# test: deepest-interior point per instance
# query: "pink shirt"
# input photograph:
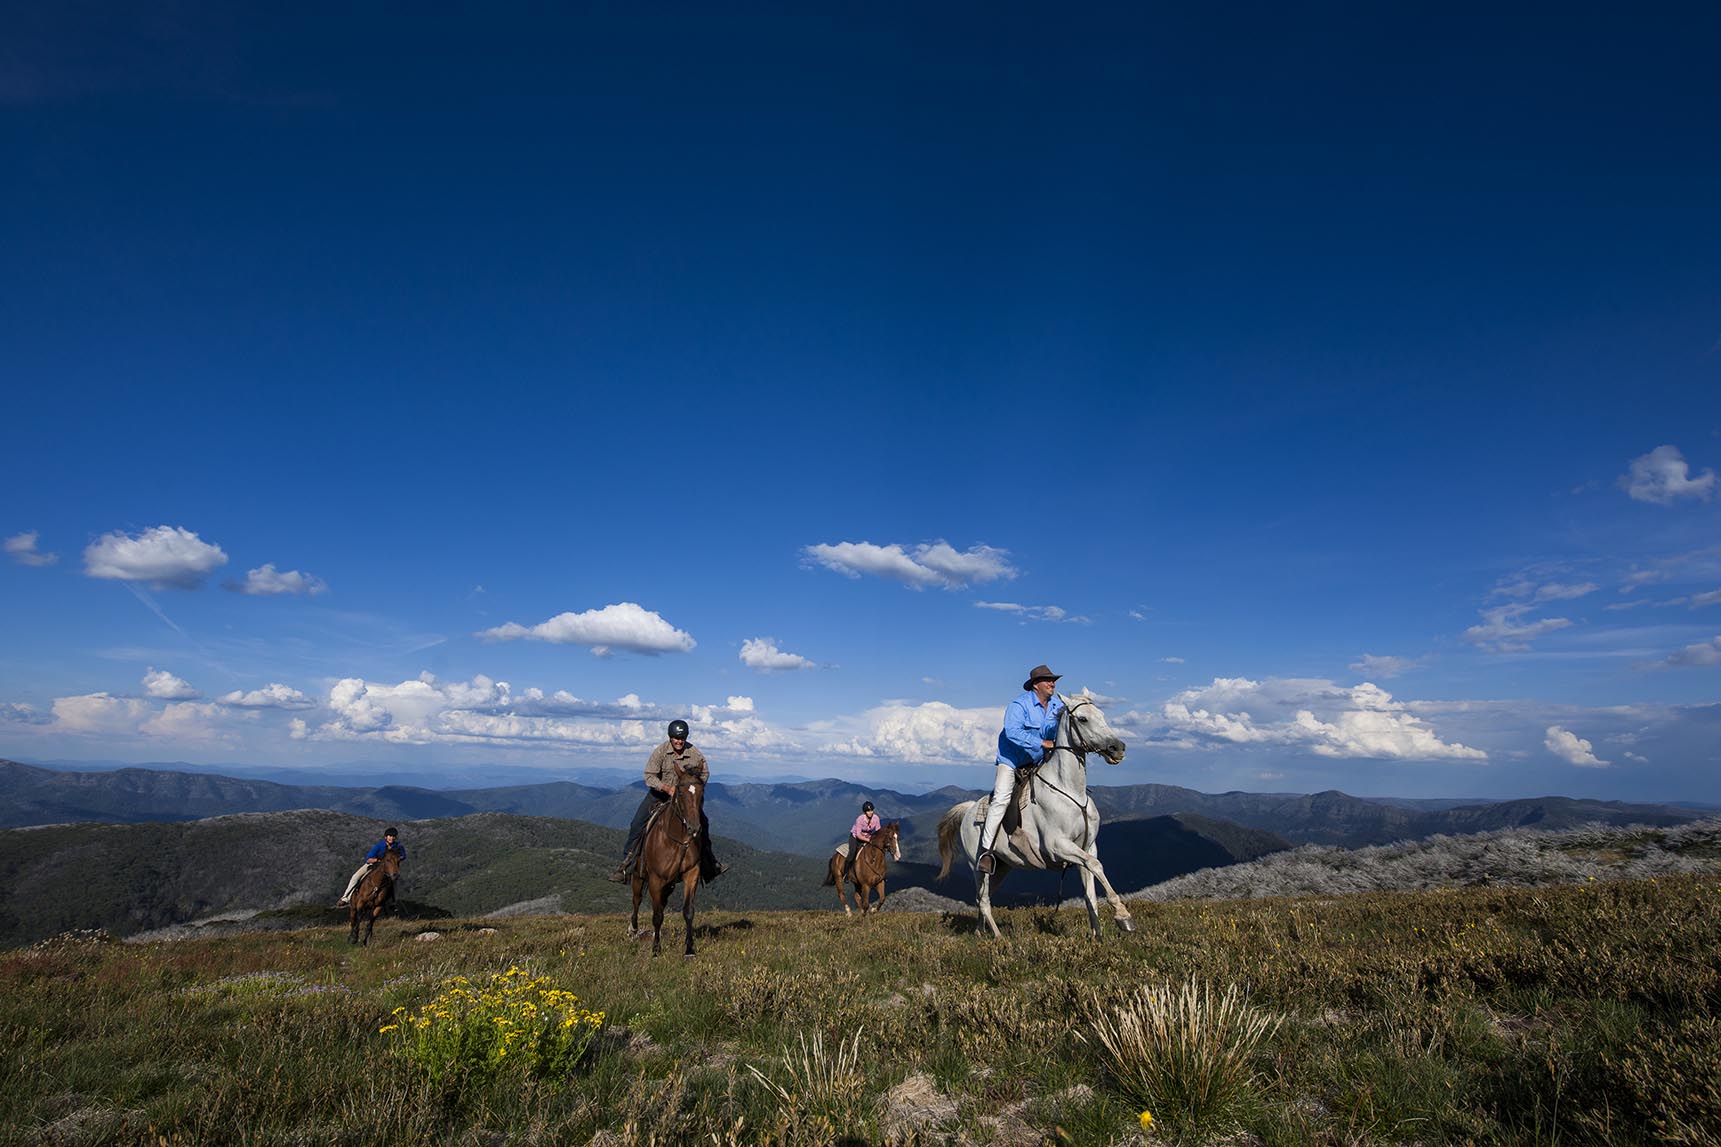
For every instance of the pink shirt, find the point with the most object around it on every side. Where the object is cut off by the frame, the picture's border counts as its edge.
(865, 826)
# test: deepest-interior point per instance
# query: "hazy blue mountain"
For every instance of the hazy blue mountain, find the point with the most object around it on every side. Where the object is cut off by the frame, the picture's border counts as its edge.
(807, 817)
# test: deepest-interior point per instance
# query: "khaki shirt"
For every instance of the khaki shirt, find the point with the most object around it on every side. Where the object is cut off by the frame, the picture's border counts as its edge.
(660, 769)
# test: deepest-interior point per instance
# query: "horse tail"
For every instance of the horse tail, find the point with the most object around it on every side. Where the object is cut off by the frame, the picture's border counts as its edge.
(830, 872)
(948, 828)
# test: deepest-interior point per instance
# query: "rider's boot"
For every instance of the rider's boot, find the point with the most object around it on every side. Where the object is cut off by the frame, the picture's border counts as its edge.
(624, 871)
(987, 863)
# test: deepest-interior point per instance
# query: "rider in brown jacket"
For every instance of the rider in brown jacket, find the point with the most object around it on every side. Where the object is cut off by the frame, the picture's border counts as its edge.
(676, 755)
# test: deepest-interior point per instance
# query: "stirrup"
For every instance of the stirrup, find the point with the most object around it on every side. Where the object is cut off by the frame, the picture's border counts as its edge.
(987, 864)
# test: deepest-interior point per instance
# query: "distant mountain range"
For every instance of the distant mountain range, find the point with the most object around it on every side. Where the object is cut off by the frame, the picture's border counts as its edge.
(807, 817)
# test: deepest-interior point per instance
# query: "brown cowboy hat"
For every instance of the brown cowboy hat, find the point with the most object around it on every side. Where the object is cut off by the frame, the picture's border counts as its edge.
(1040, 673)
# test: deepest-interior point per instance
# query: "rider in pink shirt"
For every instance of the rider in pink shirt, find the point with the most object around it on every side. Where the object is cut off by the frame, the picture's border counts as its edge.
(866, 824)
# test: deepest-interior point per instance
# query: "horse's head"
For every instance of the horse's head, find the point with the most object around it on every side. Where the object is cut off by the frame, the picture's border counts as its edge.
(1086, 729)
(390, 862)
(890, 836)
(689, 791)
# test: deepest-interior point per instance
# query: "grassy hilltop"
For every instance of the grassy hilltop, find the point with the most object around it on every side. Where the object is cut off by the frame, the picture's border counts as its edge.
(1587, 1013)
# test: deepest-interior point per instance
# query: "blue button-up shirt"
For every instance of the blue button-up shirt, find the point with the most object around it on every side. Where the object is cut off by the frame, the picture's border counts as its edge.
(380, 849)
(1027, 723)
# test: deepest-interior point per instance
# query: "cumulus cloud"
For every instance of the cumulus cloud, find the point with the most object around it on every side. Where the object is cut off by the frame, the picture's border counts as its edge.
(186, 721)
(98, 713)
(167, 557)
(762, 654)
(425, 711)
(1371, 666)
(1319, 716)
(929, 733)
(22, 548)
(1662, 477)
(937, 564)
(620, 626)
(164, 686)
(1031, 612)
(1701, 654)
(15, 713)
(267, 581)
(1507, 629)
(1572, 749)
(272, 696)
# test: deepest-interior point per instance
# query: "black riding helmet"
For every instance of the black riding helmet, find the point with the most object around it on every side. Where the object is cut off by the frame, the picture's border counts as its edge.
(678, 730)
(867, 807)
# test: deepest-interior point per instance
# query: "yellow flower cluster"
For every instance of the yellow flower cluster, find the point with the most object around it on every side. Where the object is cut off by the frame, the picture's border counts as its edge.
(514, 1020)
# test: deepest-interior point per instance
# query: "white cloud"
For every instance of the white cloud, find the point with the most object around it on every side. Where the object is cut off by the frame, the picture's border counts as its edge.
(1712, 597)
(23, 549)
(1703, 653)
(930, 733)
(1172, 660)
(762, 654)
(1506, 630)
(266, 580)
(272, 696)
(620, 626)
(1526, 587)
(937, 564)
(1320, 716)
(1662, 476)
(186, 721)
(14, 713)
(1031, 612)
(1572, 749)
(1371, 666)
(168, 557)
(164, 686)
(425, 711)
(98, 713)
(1638, 757)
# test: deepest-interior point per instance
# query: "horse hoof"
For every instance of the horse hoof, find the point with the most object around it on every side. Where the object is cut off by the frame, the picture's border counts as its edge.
(1126, 925)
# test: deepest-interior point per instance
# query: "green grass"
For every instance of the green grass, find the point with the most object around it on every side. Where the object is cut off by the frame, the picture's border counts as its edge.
(1569, 1015)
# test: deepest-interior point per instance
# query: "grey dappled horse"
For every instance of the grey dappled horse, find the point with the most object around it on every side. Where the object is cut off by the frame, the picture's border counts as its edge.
(1060, 824)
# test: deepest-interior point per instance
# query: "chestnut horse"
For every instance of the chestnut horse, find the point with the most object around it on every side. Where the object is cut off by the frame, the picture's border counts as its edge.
(867, 872)
(374, 894)
(669, 853)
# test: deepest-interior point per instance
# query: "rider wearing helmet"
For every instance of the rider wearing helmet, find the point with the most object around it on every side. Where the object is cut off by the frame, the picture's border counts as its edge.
(865, 825)
(675, 755)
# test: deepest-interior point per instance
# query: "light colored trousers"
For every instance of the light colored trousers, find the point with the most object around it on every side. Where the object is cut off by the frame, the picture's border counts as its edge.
(1003, 788)
(354, 882)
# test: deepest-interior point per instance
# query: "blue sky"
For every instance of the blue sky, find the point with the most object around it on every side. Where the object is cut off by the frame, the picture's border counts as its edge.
(1335, 392)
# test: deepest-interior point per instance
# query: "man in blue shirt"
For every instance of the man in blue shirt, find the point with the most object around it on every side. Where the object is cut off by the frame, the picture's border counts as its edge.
(1030, 723)
(378, 850)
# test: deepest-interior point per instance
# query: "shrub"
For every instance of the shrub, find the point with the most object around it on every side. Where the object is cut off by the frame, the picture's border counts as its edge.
(514, 1022)
(1182, 1052)
(820, 1090)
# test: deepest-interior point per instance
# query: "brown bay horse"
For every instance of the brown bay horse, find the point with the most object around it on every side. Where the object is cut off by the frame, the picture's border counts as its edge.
(669, 854)
(867, 871)
(373, 896)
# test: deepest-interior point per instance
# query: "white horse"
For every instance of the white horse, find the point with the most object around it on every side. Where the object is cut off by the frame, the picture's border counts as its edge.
(1060, 823)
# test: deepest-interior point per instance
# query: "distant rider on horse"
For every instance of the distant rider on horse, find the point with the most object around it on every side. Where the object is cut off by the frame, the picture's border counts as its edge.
(675, 754)
(865, 825)
(376, 853)
(1030, 724)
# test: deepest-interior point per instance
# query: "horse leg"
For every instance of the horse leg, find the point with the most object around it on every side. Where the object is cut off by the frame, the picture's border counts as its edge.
(353, 919)
(370, 925)
(638, 886)
(689, 882)
(837, 873)
(659, 898)
(983, 897)
(1120, 914)
(880, 907)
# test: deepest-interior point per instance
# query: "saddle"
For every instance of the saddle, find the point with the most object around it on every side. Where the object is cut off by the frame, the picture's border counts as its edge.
(1020, 799)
